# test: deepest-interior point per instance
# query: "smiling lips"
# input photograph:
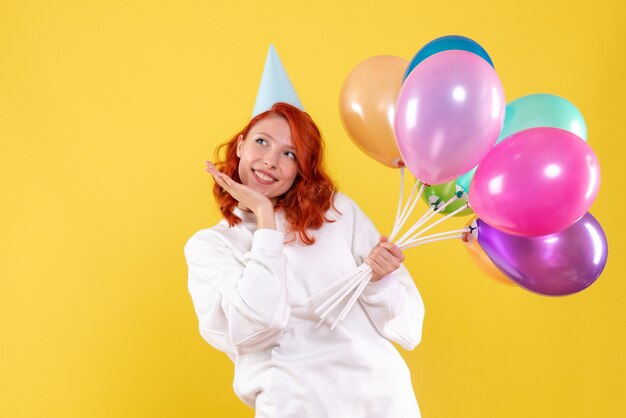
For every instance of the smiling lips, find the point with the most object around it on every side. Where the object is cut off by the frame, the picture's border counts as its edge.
(263, 178)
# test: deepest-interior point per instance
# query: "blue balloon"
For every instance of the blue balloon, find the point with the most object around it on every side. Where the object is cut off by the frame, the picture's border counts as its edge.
(447, 43)
(542, 110)
(466, 179)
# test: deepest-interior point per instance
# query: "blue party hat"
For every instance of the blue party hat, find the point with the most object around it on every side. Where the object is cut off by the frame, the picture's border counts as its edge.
(275, 85)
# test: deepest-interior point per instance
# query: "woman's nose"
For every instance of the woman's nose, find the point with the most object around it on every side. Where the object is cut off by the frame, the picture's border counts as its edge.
(269, 159)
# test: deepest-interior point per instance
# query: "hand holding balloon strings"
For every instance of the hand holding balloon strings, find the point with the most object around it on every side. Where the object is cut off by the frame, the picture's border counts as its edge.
(360, 277)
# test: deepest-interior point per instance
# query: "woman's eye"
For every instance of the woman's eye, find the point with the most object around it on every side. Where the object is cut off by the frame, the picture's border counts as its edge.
(260, 141)
(290, 155)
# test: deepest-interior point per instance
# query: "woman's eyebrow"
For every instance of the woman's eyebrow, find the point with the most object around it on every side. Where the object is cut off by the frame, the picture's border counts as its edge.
(264, 134)
(289, 147)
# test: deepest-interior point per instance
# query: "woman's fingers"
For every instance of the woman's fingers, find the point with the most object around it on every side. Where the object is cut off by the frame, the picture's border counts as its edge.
(220, 178)
(393, 259)
(387, 261)
(247, 197)
(384, 259)
(377, 270)
(211, 168)
(383, 241)
(393, 249)
(388, 252)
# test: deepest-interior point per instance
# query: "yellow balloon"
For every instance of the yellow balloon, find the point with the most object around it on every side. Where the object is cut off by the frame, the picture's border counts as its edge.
(482, 260)
(367, 106)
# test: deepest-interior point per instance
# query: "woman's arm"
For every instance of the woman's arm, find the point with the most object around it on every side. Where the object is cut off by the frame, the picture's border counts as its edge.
(395, 306)
(393, 302)
(241, 304)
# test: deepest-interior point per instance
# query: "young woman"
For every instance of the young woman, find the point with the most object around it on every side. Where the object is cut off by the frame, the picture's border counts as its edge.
(286, 234)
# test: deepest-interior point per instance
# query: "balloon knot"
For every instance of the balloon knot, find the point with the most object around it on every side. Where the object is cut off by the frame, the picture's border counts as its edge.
(435, 205)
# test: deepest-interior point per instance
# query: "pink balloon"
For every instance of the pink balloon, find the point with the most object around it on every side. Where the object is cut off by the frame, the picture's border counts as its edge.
(537, 182)
(449, 114)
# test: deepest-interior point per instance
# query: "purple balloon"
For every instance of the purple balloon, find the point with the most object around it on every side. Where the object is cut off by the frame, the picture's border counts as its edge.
(449, 114)
(558, 264)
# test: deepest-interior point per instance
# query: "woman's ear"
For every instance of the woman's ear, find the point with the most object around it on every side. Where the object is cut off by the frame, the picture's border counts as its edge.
(239, 145)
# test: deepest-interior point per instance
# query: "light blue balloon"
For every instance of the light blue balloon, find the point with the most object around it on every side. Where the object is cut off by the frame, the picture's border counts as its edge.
(447, 43)
(465, 180)
(535, 111)
(542, 110)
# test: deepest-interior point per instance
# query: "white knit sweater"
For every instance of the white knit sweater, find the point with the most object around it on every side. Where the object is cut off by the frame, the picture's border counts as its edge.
(247, 287)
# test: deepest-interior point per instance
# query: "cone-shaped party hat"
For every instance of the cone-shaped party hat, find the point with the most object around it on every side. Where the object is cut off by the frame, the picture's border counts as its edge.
(275, 85)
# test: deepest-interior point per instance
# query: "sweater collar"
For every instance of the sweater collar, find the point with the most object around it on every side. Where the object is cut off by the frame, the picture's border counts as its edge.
(248, 218)
(245, 216)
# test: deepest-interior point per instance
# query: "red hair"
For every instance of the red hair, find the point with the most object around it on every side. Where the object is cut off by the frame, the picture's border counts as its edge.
(311, 194)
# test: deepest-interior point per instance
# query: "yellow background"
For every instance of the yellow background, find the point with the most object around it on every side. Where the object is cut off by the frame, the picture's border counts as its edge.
(108, 110)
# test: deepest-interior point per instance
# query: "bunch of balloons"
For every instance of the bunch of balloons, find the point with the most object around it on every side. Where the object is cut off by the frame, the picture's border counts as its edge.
(524, 168)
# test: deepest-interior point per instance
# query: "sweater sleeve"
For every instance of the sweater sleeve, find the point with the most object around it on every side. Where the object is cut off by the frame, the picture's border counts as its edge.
(393, 303)
(241, 304)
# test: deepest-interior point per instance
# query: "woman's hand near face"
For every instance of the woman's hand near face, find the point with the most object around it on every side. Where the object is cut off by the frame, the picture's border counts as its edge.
(248, 198)
(384, 258)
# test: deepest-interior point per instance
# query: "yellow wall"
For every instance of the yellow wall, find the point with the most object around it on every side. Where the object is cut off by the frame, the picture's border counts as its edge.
(108, 110)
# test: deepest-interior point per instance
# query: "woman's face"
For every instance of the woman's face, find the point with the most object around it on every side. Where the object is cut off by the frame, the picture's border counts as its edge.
(267, 157)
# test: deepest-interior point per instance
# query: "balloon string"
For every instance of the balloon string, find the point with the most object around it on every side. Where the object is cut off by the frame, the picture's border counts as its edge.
(332, 302)
(361, 281)
(429, 214)
(334, 284)
(451, 214)
(357, 279)
(396, 224)
(364, 281)
(347, 281)
(324, 316)
(406, 246)
(407, 210)
(420, 221)
(335, 298)
(366, 276)
(413, 240)
(401, 194)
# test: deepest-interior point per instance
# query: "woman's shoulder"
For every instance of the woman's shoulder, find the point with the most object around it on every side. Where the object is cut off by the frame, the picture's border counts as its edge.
(215, 236)
(203, 238)
(341, 199)
(343, 203)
